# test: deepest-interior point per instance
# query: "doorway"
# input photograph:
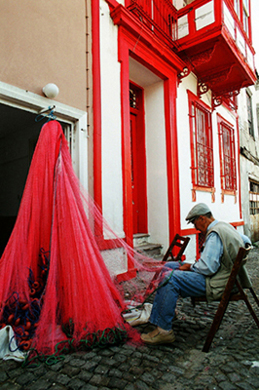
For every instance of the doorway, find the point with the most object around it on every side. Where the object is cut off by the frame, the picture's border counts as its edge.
(19, 133)
(138, 160)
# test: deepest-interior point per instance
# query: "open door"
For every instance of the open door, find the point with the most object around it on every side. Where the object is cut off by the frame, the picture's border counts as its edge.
(138, 160)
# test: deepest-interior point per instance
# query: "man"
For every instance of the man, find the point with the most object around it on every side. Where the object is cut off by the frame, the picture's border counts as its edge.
(208, 276)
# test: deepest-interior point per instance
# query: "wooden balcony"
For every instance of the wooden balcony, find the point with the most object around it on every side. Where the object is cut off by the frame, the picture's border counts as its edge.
(158, 15)
(208, 36)
(211, 39)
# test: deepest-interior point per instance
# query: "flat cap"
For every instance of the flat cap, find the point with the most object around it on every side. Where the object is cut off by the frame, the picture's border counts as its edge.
(196, 211)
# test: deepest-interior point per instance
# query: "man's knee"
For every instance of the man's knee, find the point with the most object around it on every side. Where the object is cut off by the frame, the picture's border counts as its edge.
(180, 276)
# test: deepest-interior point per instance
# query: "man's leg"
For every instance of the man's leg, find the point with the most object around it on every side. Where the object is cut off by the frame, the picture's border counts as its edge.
(171, 265)
(184, 283)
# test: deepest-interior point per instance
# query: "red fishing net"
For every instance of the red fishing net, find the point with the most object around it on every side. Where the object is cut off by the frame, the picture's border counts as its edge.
(55, 288)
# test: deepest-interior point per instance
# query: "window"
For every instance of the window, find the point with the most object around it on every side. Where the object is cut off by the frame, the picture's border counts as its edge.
(227, 157)
(246, 17)
(245, 21)
(237, 7)
(249, 113)
(254, 197)
(201, 145)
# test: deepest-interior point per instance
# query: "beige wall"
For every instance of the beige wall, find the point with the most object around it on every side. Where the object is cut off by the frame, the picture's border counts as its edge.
(44, 41)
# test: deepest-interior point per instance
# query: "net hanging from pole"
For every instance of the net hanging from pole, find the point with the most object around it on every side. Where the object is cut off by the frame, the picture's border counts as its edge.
(54, 284)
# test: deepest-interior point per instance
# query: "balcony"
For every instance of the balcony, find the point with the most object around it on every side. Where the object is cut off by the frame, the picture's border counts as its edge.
(211, 39)
(158, 15)
(208, 36)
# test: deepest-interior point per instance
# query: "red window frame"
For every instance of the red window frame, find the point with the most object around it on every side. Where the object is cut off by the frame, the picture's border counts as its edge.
(202, 165)
(227, 154)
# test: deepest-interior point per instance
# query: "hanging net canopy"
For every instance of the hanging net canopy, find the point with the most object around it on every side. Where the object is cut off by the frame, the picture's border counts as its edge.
(56, 290)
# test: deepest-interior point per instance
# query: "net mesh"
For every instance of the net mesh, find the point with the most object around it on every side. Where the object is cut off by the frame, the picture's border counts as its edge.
(55, 287)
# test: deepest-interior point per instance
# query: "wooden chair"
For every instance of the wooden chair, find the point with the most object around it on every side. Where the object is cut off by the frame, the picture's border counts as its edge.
(178, 245)
(228, 296)
(178, 242)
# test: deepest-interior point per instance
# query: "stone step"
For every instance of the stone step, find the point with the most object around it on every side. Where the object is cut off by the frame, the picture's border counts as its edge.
(142, 245)
(140, 239)
(151, 250)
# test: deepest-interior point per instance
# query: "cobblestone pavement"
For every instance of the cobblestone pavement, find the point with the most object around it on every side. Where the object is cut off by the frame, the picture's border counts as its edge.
(232, 363)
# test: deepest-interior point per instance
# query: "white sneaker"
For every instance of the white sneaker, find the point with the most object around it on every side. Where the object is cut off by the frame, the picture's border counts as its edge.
(139, 316)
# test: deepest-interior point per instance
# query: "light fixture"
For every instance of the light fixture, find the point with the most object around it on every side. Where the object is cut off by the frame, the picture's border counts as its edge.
(50, 90)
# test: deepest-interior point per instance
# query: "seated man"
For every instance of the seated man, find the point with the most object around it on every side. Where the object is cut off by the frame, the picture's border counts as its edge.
(208, 276)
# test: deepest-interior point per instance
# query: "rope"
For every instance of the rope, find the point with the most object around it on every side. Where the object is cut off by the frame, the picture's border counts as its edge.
(101, 339)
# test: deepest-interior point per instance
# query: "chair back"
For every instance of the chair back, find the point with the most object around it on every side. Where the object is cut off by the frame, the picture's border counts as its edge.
(178, 245)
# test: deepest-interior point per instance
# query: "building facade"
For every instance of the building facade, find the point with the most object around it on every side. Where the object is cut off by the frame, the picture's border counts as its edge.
(248, 103)
(41, 43)
(159, 82)
(175, 72)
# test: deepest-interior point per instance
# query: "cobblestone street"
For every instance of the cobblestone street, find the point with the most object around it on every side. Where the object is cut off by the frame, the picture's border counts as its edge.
(232, 363)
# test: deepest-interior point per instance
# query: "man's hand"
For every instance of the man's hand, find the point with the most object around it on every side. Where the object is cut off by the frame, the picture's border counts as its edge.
(185, 267)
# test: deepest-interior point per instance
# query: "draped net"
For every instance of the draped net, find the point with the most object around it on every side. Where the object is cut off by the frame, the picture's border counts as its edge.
(54, 284)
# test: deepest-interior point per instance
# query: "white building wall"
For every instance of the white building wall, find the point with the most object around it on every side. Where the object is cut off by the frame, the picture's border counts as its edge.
(157, 198)
(157, 192)
(228, 210)
(111, 122)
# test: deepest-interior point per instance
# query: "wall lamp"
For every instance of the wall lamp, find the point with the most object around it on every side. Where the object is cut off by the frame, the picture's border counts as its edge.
(50, 90)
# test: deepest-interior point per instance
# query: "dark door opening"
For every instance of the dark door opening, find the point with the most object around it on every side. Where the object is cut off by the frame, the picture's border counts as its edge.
(18, 137)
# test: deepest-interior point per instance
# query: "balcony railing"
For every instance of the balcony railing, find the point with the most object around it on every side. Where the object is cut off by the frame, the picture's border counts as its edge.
(159, 15)
(211, 15)
(186, 25)
(208, 35)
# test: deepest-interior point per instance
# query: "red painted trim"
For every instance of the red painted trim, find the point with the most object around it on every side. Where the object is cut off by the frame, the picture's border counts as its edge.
(126, 149)
(201, 34)
(136, 42)
(141, 38)
(220, 120)
(249, 22)
(191, 231)
(111, 3)
(138, 141)
(107, 244)
(126, 276)
(172, 157)
(192, 96)
(97, 125)
(193, 99)
(188, 231)
(240, 223)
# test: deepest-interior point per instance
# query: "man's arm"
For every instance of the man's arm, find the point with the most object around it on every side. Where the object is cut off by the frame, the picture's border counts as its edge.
(209, 262)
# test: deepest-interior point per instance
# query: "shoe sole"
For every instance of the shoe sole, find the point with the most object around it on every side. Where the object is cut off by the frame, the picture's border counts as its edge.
(158, 342)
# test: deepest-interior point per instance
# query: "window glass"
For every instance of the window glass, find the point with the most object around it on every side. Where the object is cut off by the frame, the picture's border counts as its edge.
(254, 197)
(249, 114)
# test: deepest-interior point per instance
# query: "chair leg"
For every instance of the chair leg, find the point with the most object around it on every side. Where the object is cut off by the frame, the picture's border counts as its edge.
(215, 325)
(221, 311)
(251, 309)
(244, 297)
(254, 295)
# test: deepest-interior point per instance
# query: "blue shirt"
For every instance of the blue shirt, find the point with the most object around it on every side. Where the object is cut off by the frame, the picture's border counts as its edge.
(209, 261)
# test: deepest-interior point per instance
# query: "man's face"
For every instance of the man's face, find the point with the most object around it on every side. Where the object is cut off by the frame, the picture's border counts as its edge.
(200, 223)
